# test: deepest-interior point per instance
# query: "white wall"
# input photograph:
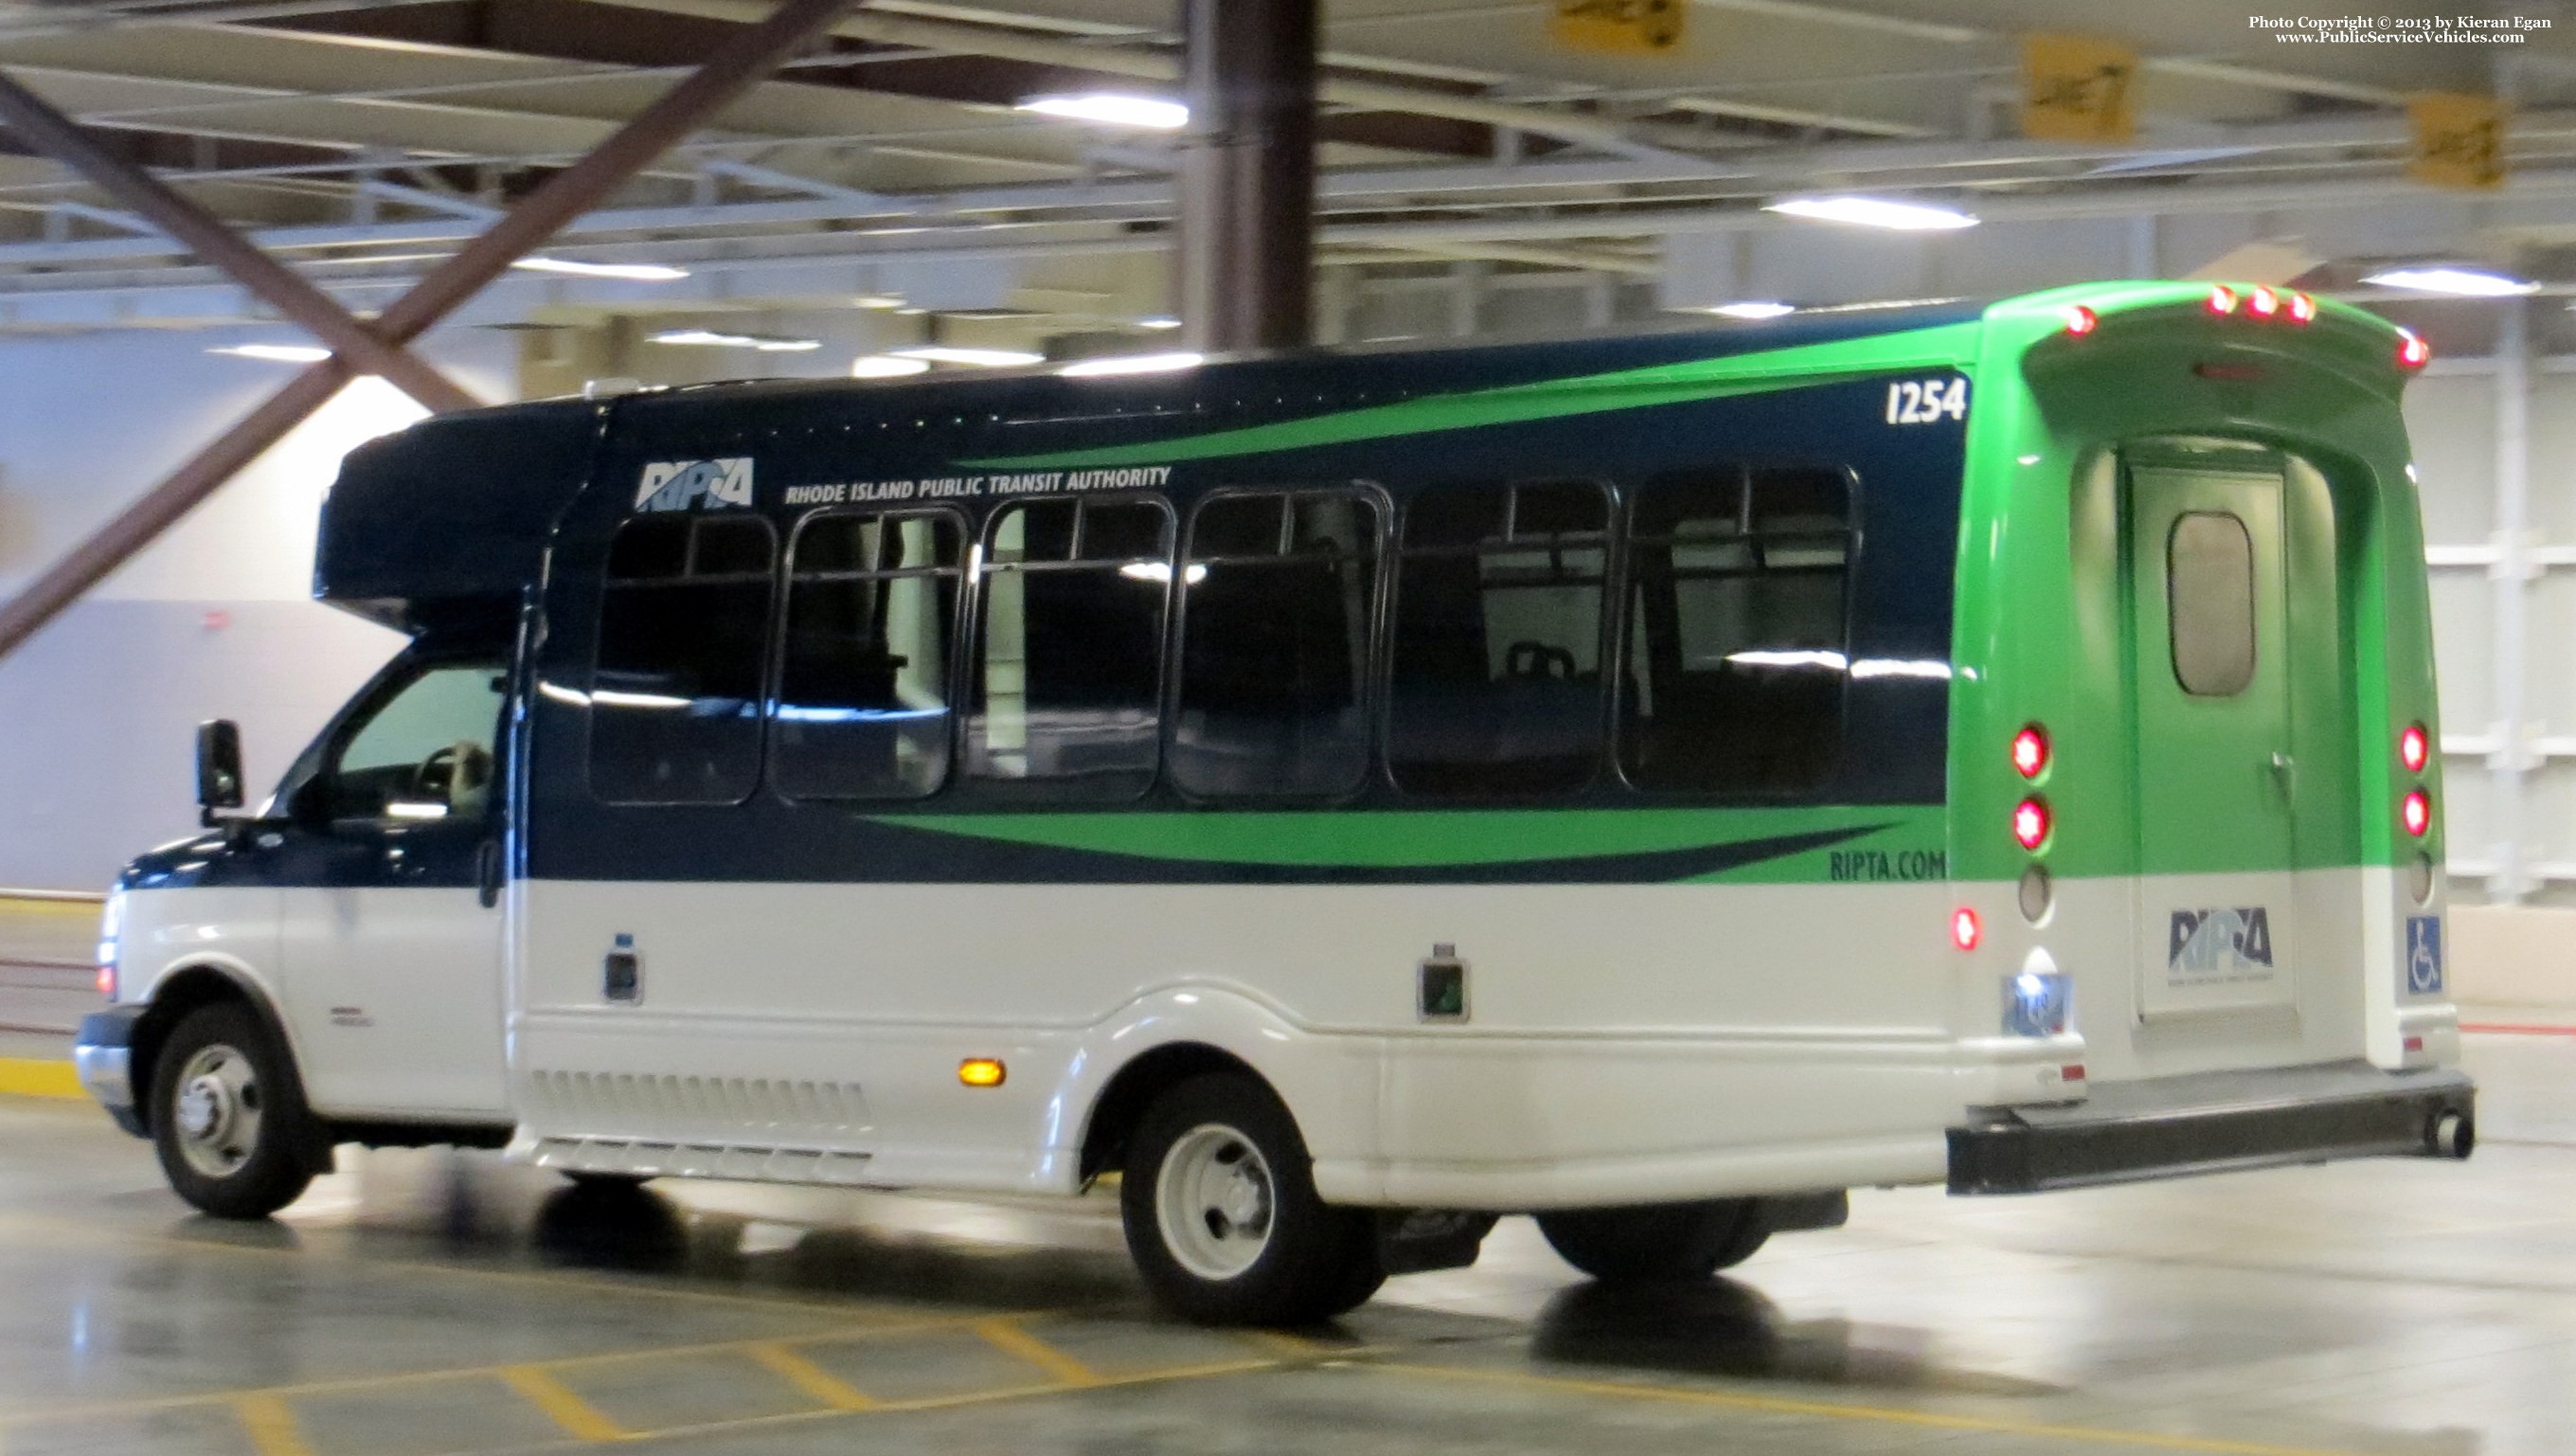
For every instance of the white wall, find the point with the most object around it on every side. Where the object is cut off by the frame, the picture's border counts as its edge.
(213, 620)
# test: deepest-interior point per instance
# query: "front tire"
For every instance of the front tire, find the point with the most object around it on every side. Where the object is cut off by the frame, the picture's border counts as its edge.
(1661, 1243)
(1218, 1197)
(228, 1115)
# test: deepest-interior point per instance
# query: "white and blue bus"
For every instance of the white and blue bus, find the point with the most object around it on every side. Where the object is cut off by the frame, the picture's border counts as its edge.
(1656, 783)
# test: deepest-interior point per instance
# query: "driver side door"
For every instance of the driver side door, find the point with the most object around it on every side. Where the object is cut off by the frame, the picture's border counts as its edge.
(392, 931)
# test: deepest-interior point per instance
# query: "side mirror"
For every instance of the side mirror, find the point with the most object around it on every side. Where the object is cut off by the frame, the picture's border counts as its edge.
(219, 768)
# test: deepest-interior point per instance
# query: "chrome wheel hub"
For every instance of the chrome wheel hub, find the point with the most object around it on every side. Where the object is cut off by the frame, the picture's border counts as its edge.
(1214, 1201)
(217, 1114)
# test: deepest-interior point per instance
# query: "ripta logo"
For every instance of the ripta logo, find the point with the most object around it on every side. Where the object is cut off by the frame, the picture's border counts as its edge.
(2220, 940)
(679, 485)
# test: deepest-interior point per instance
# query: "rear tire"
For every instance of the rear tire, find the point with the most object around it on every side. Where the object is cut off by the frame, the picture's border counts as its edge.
(1218, 1197)
(228, 1116)
(1661, 1243)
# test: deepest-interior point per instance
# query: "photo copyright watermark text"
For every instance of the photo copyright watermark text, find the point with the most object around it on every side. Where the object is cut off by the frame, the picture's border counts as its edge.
(2397, 29)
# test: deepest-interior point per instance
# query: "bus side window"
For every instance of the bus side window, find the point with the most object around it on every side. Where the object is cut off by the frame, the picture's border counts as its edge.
(1495, 687)
(1067, 695)
(683, 631)
(1278, 594)
(863, 710)
(1735, 653)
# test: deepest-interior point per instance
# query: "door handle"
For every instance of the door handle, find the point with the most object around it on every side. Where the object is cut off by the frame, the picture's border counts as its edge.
(2285, 770)
(487, 873)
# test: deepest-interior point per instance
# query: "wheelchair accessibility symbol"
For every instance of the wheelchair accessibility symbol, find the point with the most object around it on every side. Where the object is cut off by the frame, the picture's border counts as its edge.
(2423, 955)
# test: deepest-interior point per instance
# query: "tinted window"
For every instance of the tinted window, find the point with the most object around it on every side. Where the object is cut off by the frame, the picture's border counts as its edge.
(1735, 663)
(683, 628)
(425, 752)
(2209, 578)
(1278, 596)
(1496, 680)
(863, 700)
(1069, 661)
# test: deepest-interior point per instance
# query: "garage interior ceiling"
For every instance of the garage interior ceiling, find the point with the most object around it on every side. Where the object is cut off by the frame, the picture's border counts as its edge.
(362, 141)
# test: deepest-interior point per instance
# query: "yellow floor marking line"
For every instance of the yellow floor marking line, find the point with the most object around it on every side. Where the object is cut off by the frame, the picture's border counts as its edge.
(1005, 1333)
(28, 1077)
(1779, 1405)
(270, 1424)
(579, 1418)
(809, 1377)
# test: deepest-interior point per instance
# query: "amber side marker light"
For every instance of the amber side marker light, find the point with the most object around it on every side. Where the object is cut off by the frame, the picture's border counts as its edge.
(981, 1072)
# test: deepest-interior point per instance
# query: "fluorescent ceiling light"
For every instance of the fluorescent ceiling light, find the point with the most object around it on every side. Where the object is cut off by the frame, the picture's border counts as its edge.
(1132, 364)
(2466, 282)
(1159, 321)
(986, 358)
(640, 272)
(1753, 310)
(1112, 109)
(766, 343)
(1877, 212)
(878, 300)
(281, 353)
(886, 366)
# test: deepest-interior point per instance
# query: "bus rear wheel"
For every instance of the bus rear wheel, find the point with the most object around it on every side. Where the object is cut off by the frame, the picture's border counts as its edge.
(1661, 1243)
(1218, 1197)
(228, 1117)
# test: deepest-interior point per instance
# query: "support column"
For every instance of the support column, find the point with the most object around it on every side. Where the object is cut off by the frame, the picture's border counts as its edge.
(2508, 766)
(1247, 194)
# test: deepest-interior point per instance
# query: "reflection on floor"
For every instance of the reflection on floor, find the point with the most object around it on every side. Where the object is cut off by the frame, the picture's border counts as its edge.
(430, 1302)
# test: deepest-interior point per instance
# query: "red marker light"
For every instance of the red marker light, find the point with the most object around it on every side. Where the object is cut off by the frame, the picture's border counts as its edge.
(2412, 351)
(2030, 823)
(2414, 748)
(2030, 751)
(2222, 300)
(107, 982)
(2303, 309)
(2262, 303)
(2416, 812)
(2081, 320)
(1964, 930)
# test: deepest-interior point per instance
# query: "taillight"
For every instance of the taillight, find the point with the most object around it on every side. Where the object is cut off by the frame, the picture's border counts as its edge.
(2222, 300)
(2081, 320)
(2030, 751)
(2412, 351)
(2414, 748)
(2416, 812)
(2030, 824)
(107, 982)
(1965, 932)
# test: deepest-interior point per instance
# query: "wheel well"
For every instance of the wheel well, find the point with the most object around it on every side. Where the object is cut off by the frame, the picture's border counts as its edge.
(182, 993)
(1114, 1115)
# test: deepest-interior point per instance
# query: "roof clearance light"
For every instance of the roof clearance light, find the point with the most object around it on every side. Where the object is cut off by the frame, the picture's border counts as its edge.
(2303, 309)
(1965, 932)
(2030, 824)
(638, 272)
(2030, 751)
(2415, 811)
(2415, 748)
(276, 353)
(1877, 212)
(1110, 109)
(2412, 351)
(2460, 282)
(2262, 303)
(2222, 300)
(2081, 320)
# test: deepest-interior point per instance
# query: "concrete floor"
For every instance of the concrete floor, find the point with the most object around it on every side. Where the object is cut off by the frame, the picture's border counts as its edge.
(430, 1302)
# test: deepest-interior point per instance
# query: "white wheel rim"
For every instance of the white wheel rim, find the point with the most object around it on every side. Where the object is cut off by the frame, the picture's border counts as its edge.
(217, 1113)
(1215, 1202)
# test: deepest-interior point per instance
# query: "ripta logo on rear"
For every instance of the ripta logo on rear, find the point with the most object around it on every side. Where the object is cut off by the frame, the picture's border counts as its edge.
(680, 485)
(2220, 940)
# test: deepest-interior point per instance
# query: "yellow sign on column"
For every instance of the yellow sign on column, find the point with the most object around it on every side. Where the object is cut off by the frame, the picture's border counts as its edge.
(2075, 88)
(1618, 25)
(2458, 141)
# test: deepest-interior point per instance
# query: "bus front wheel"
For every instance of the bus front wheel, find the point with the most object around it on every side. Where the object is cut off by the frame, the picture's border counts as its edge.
(228, 1117)
(1663, 1243)
(1218, 1197)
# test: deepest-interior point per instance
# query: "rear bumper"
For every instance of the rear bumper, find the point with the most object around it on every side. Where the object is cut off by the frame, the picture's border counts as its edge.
(2213, 1122)
(103, 1056)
